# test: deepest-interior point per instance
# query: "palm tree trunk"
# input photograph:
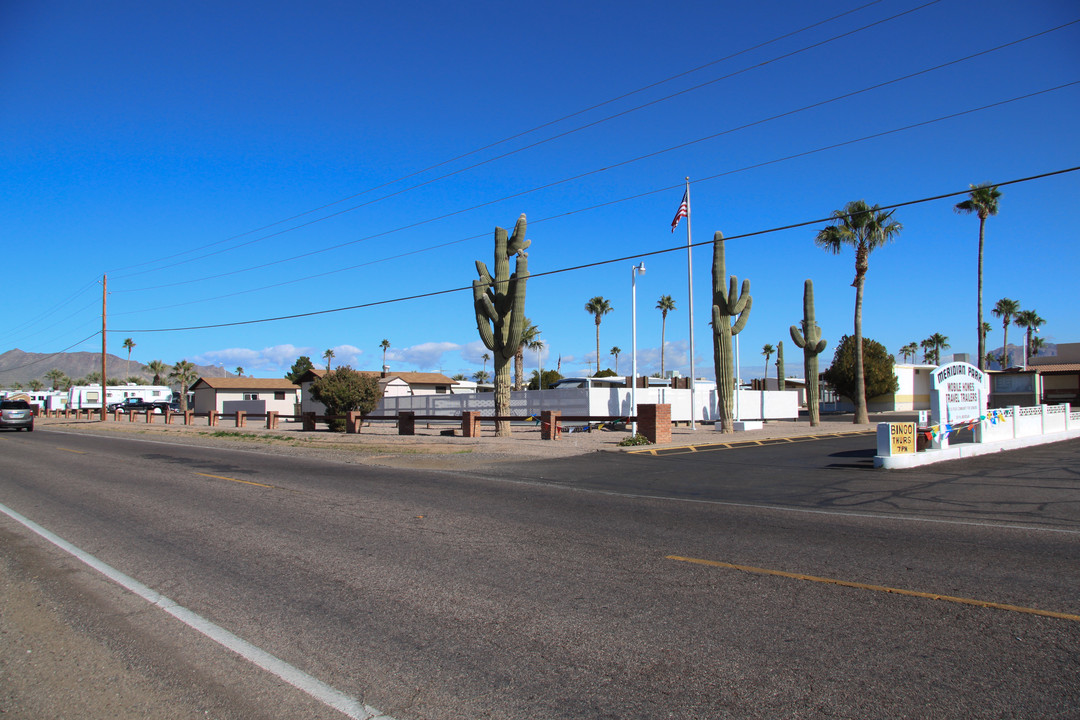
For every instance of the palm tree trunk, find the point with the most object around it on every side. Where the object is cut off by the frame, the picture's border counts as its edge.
(860, 376)
(597, 343)
(1005, 345)
(663, 330)
(982, 335)
(519, 367)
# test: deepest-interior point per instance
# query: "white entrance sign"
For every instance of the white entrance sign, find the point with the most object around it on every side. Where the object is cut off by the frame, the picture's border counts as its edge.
(958, 395)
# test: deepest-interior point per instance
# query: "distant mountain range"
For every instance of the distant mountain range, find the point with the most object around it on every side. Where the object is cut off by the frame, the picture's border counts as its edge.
(21, 367)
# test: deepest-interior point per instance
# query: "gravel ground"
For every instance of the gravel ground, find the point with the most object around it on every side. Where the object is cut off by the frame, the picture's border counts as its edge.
(440, 446)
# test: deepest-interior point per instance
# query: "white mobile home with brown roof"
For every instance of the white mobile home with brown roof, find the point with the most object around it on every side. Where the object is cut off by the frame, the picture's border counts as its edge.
(255, 396)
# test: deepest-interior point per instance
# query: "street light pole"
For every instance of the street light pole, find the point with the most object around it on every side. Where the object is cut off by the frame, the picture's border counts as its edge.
(634, 272)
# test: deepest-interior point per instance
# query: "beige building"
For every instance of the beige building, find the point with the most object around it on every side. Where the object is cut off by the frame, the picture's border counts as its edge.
(252, 395)
(1059, 375)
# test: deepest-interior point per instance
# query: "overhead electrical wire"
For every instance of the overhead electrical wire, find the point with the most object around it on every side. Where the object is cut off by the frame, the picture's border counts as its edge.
(639, 158)
(598, 263)
(529, 146)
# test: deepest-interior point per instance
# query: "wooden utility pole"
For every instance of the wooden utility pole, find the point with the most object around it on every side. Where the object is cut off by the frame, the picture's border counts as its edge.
(104, 375)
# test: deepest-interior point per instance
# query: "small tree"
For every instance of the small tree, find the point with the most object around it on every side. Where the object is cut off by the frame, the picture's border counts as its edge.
(615, 353)
(550, 377)
(301, 366)
(877, 369)
(345, 390)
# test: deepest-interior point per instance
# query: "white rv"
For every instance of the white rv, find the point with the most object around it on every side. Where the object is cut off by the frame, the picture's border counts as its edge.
(83, 397)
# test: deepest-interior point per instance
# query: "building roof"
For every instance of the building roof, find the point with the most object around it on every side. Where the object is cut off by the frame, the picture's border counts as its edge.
(244, 383)
(1058, 368)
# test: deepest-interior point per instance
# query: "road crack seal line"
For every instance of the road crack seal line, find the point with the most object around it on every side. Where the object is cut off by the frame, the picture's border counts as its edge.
(878, 588)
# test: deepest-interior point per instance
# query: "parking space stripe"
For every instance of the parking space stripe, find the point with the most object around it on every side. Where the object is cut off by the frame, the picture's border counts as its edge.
(878, 588)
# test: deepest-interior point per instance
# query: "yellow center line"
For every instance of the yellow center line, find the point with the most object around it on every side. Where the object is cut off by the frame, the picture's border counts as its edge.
(878, 588)
(246, 482)
(77, 452)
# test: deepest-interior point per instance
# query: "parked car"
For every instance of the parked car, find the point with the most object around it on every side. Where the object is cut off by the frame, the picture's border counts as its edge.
(16, 414)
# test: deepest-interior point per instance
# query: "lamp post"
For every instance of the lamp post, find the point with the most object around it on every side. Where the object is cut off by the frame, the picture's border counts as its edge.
(638, 269)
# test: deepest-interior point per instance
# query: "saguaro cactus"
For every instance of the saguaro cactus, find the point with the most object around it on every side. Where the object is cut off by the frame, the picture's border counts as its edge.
(780, 384)
(812, 344)
(500, 311)
(726, 306)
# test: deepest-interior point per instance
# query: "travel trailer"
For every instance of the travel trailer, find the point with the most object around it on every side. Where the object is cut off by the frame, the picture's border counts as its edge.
(83, 397)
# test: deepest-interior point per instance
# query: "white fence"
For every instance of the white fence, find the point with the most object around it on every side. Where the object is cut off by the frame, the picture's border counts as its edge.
(1018, 422)
(597, 402)
(1003, 429)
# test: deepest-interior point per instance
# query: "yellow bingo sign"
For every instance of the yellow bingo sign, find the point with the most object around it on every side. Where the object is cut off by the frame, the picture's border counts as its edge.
(902, 438)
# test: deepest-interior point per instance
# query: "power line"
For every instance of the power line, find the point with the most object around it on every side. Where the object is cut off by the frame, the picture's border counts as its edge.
(598, 263)
(604, 169)
(49, 357)
(531, 145)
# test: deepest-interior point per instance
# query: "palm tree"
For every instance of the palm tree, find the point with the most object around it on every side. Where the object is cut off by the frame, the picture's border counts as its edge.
(1036, 346)
(598, 307)
(615, 351)
(767, 350)
(1005, 309)
(129, 344)
(481, 376)
(485, 357)
(933, 346)
(158, 368)
(664, 305)
(910, 350)
(529, 332)
(328, 355)
(36, 384)
(983, 201)
(538, 345)
(239, 372)
(56, 378)
(865, 228)
(385, 345)
(1030, 320)
(184, 373)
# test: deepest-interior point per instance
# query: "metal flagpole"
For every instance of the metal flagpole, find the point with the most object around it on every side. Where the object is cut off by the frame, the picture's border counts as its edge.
(690, 285)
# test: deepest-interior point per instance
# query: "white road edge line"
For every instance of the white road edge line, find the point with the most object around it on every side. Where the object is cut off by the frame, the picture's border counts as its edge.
(299, 679)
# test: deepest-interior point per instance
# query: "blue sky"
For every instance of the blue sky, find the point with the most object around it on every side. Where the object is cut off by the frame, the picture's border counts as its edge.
(230, 162)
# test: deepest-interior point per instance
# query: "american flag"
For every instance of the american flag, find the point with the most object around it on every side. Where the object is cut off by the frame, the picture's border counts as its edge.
(684, 210)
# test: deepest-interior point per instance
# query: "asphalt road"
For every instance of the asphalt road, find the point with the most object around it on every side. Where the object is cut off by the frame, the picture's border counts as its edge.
(552, 589)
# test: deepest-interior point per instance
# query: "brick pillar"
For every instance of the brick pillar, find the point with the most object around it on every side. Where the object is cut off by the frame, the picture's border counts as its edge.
(168, 417)
(241, 418)
(131, 416)
(549, 424)
(654, 422)
(149, 416)
(470, 424)
(271, 419)
(353, 420)
(189, 417)
(309, 421)
(406, 423)
(212, 418)
(116, 415)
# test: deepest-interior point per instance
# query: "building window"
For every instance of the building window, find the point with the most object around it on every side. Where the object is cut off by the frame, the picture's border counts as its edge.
(441, 390)
(279, 395)
(251, 396)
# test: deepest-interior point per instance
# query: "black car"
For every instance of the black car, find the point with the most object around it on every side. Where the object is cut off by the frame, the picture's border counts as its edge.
(139, 405)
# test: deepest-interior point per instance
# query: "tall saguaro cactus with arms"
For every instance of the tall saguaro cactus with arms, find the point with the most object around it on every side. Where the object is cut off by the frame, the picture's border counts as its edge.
(809, 339)
(499, 302)
(726, 305)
